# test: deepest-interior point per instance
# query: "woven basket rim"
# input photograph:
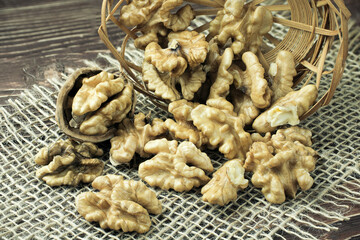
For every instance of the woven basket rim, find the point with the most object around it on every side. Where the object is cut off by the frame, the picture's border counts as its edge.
(320, 28)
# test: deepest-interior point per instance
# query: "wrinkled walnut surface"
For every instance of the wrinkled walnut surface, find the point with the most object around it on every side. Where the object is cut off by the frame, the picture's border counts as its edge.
(164, 85)
(244, 106)
(192, 46)
(286, 110)
(252, 80)
(94, 91)
(280, 165)
(283, 72)
(169, 167)
(111, 113)
(221, 86)
(132, 136)
(177, 64)
(225, 183)
(243, 24)
(120, 204)
(182, 128)
(102, 92)
(69, 163)
(223, 130)
(166, 60)
(155, 19)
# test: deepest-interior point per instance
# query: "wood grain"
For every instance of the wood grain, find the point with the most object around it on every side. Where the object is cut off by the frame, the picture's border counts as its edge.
(40, 38)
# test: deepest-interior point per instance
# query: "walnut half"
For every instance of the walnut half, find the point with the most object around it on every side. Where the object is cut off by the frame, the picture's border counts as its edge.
(120, 204)
(169, 167)
(223, 130)
(243, 24)
(179, 64)
(225, 183)
(286, 110)
(281, 164)
(132, 136)
(69, 163)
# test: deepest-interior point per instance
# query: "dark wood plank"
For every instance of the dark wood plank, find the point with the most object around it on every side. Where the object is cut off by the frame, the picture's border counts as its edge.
(38, 35)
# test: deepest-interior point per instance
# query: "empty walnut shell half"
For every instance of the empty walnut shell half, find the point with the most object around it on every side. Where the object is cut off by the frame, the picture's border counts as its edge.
(64, 107)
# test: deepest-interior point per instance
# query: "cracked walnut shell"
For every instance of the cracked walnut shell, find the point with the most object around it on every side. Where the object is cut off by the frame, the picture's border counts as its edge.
(69, 163)
(280, 165)
(120, 204)
(96, 95)
(132, 136)
(226, 181)
(169, 168)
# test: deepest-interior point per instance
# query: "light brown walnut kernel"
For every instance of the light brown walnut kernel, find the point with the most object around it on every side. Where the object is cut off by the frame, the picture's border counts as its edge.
(94, 91)
(223, 130)
(162, 84)
(163, 69)
(252, 80)
(120, 204)
(283, 71)
(69, 163)
(178, 21)
(138, 11)
(169, 167)
(213, 57)
(256, 137)
(243, 106)
(192, 46)
(111, 113)
(286, 110)
(166, 60)
(154, 19)
(156, 33)
(191, 81)
(243, 24)
(226, 181)
(181, 109)
(279, 166)
(132, 136)
(293, 134)
(183, 128)
(115, 187)
(221, 86)
(125, 215)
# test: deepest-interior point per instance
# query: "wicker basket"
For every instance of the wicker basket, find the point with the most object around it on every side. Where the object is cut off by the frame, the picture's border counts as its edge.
(313, 27)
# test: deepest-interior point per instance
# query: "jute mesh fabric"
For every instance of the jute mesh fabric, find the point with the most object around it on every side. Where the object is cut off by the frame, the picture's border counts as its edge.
(30, 209)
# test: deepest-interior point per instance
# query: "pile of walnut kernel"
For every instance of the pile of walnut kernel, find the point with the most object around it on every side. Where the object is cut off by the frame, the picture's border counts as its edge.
(216, 89)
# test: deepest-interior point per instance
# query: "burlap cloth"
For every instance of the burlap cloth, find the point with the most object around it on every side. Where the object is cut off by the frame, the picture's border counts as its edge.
(30, 209)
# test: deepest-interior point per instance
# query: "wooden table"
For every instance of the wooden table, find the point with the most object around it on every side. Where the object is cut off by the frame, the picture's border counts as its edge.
(40, 38)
